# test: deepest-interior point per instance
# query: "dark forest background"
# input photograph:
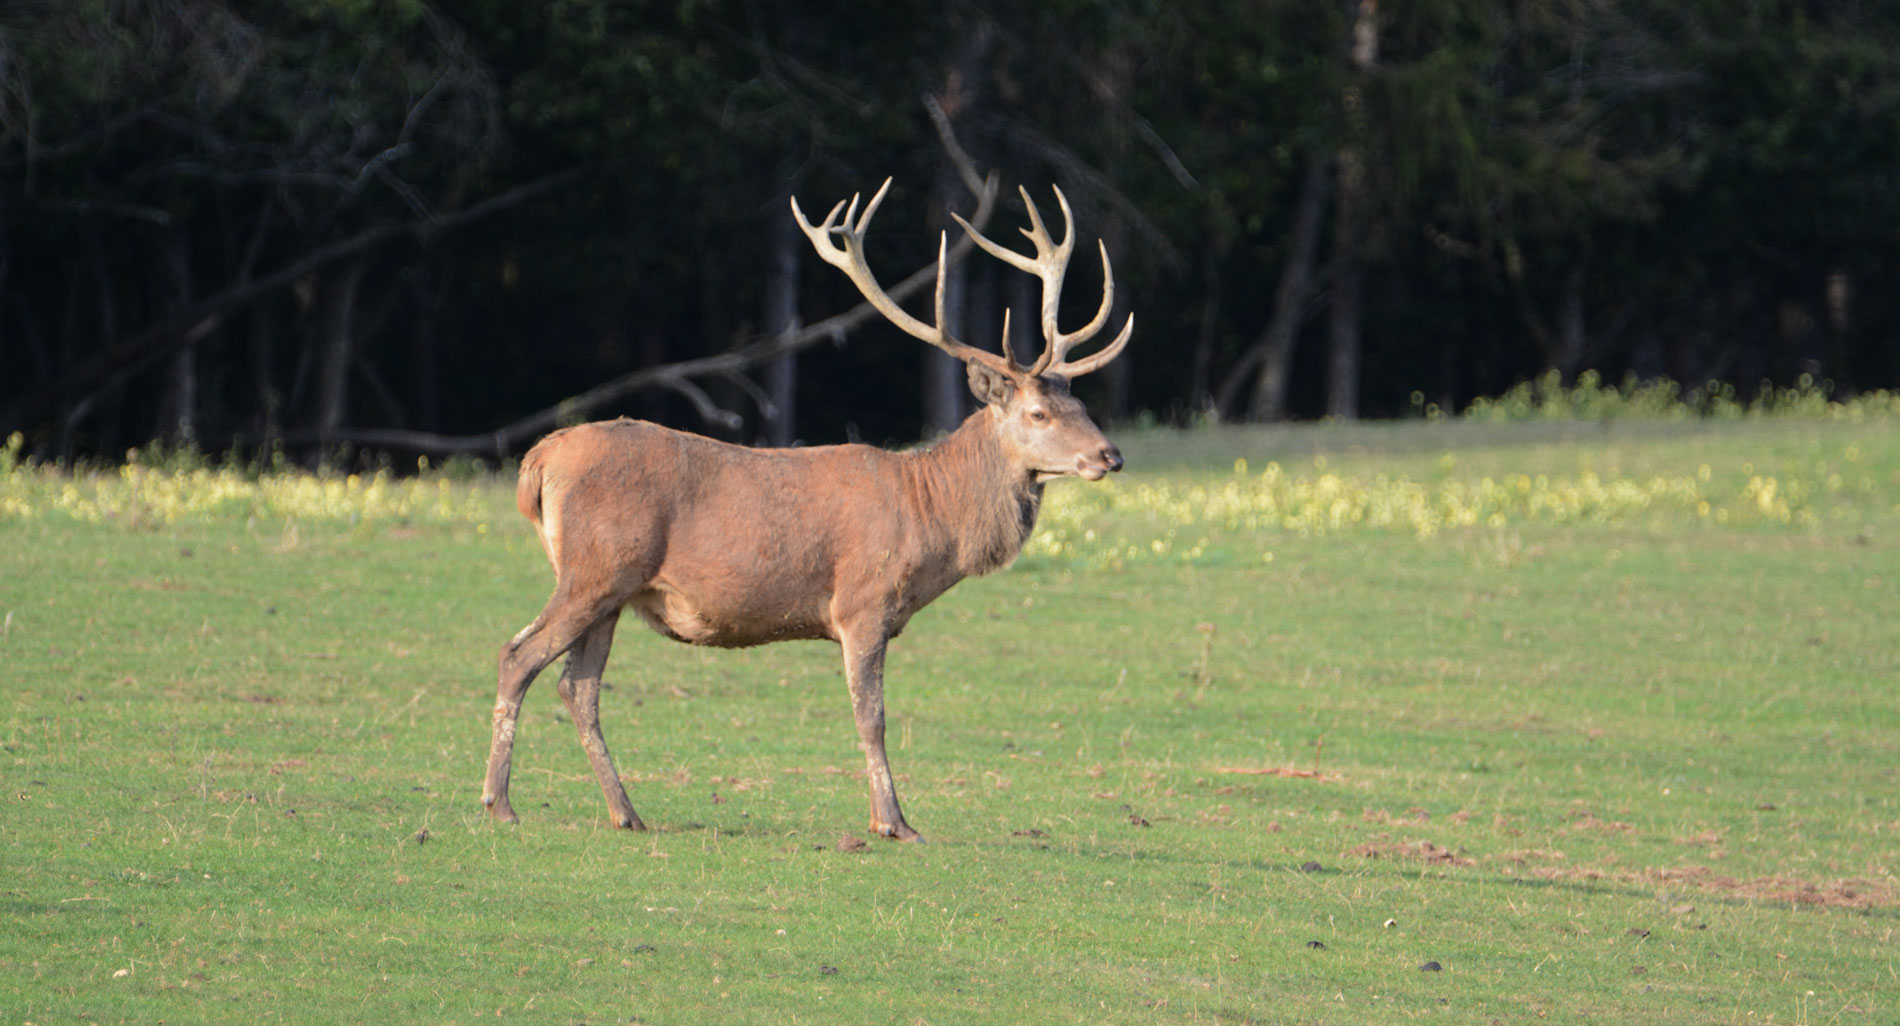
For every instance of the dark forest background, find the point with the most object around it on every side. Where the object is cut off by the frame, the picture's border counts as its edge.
(438, 227)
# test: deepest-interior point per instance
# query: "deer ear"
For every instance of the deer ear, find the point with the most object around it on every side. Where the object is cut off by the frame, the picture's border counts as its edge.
(990, 385)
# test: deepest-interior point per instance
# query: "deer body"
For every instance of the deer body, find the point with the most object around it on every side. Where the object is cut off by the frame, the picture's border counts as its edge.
(717, 544)
(747, 546)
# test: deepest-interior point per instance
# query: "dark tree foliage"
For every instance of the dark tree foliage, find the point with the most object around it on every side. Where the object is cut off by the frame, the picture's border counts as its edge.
(227, 224)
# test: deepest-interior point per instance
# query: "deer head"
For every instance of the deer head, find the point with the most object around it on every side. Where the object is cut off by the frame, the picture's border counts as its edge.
(1043, 430)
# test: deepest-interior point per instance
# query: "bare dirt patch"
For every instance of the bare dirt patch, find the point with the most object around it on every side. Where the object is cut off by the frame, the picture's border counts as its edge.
(1837, 893)
(1853, 893)
(1412, 817)
(1412, 851)
(1281, 771)
(1525, 856)
(1589, 821)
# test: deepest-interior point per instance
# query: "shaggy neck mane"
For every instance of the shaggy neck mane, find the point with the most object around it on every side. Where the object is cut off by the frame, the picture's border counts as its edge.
(967, 485)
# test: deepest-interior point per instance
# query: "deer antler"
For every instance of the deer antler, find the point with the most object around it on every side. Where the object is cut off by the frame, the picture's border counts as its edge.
(847, 254)
(1051, 263)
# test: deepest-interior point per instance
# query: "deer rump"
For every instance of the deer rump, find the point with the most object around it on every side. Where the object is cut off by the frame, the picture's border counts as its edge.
(717, 544)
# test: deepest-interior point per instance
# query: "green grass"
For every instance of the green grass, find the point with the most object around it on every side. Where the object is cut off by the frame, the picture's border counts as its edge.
(1611, 763)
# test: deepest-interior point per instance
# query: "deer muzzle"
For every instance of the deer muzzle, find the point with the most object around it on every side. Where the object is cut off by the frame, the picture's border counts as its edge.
(1098, 465)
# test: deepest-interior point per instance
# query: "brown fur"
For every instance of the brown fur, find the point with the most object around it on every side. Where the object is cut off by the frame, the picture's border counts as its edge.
(743, 550)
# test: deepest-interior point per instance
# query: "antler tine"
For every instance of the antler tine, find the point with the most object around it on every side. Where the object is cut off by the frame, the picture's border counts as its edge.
(1008, 353)
(942, 242)
(816, 233)
(1008, 256)
(829, 218)
(1069, 340)
(1036, 231)
(1097, 360)
(870, 208)
(847, 254)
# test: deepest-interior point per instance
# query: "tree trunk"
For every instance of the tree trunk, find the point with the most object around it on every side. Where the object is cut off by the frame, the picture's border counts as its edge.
(110, 423)
(1802, 338)
(985, 312)
(780, 317)
(1563, 348)
(178, 409)
(424, 338)
(944, 376)
(1118, 376)
(1200, 398)
(1342, 377)
(1343, 363)
(1570, 334)
(1276, 343)
(266, 424)
(1025, 316)
(336, 322)
(945, 379)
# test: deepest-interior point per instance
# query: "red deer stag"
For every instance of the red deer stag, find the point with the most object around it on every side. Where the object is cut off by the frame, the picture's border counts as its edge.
(716, 544)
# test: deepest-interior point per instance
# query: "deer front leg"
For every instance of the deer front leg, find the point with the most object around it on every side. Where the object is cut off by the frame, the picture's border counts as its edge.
(580, 689)
(864, 671)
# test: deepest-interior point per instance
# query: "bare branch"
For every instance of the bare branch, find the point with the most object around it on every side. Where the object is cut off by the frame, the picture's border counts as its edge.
(1106, 93)
(110, 208)
(767, 408)
(966, 168)
(708, 410)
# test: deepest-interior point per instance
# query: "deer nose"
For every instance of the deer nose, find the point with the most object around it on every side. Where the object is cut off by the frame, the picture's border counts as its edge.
(1112, 457)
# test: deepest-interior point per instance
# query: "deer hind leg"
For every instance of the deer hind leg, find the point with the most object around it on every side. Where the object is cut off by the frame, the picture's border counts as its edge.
(580, 689)
(864, 671)
(525, 655)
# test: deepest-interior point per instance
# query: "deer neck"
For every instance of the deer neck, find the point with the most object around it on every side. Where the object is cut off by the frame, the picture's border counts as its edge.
(976, 496)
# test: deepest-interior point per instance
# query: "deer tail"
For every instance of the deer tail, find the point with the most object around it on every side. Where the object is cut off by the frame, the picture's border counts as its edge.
(528, 486)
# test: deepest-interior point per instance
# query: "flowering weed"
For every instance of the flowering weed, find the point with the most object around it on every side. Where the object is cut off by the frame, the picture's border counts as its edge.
(137, 494)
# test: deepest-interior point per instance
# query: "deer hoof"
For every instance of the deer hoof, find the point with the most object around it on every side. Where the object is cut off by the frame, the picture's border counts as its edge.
(629, 822)
(900, 832)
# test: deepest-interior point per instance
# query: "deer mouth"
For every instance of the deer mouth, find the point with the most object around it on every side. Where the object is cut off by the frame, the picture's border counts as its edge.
(1086, 470)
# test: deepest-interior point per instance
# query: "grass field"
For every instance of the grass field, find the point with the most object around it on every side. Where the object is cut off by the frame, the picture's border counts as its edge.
(1604, 718)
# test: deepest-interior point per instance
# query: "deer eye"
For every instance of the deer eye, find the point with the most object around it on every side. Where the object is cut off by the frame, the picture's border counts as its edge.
(1038, 416)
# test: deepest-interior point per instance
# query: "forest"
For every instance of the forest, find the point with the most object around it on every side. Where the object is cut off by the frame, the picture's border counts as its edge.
(443, 227)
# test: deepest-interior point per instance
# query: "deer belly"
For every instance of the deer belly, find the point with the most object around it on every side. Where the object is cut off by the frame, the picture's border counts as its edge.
(732, 623)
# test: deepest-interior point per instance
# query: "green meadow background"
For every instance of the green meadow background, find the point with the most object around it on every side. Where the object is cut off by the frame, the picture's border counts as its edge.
(1566, 712)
